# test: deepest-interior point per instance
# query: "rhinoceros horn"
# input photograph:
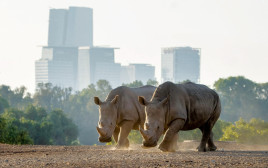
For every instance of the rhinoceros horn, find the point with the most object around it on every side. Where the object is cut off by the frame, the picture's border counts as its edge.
(101, 131)
(144, 133)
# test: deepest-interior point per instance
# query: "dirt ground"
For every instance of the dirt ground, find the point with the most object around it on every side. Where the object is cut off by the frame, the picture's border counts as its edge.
(229, 154)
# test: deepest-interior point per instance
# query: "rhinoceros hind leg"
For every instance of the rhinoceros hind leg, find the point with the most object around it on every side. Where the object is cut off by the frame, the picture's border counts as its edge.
(211, 145)
(201, 149)
(205, 136)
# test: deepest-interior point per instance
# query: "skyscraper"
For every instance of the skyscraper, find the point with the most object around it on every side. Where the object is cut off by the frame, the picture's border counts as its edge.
(143, 72)
(58, 66)
(180, 63)
(96, 63)
(68, 29)
(71, 28)
(71, 60)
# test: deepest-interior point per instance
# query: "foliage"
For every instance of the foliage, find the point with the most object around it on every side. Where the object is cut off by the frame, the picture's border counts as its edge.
(253, 132)
(17, 98)
(51, 97)
(197, 135)
(11, 134)
(241, 97)
(190, 135)
(34, 126)
(53, 111)
(152, 82)
(135, 83)
(135, 137)
(3, 104)
(63, 131)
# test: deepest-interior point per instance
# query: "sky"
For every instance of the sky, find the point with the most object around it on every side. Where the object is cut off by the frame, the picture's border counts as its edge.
(232, 34)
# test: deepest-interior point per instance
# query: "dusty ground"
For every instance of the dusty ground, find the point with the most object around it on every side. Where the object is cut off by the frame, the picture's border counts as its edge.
(228, 155)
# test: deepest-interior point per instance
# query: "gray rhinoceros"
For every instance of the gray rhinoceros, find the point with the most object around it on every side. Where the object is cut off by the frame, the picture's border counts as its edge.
(175, 107)
(120, 113)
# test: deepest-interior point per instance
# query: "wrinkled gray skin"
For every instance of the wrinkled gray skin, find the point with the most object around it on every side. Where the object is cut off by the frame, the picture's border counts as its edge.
(176, 107)
(120, 113)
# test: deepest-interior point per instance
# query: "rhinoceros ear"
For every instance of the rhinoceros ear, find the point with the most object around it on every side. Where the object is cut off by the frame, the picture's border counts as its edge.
(142, 101)
(164, 101)
(115, 99)
(97, 101)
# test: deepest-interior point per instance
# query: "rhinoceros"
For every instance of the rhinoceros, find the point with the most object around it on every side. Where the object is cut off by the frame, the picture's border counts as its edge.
(120, 113)
(175, 107)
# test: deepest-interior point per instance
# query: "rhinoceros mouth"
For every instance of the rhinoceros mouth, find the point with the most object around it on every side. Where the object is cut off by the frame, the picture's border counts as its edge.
(105, 139)
(149, 144)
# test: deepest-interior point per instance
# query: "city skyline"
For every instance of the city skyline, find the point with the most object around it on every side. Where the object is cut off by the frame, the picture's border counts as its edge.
(71, 60)
(232, 35)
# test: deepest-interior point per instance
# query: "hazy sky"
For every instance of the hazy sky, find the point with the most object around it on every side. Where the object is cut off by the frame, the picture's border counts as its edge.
(232, 34)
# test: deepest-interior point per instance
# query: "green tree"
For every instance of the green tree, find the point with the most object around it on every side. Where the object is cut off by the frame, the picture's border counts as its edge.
(152, 82)
(51, 97)
(64, 131)
(135, 137)
(11, 134)
(253, 132)
(17, 98)
(84, 112)
(197, 135)
(134, 84)
(3, 104)
(241, 97)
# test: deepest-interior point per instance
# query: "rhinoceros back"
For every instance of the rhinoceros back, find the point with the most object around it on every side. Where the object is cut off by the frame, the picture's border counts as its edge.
(191, 102)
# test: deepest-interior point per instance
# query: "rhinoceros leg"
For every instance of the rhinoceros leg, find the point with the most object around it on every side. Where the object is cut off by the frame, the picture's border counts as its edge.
(211, 145)
(205, 136)
(171, 136)
(124, 131)
(116, 133)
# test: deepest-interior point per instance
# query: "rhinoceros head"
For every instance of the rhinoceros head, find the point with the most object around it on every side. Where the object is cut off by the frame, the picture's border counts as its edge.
(107, 118)
(155, 121)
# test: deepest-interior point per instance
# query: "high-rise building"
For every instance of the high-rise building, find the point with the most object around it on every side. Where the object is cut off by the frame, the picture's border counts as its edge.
(71, 60)
(57, 27)
(180, 63)
(58, 66)
(71, 28)
(127, 74)
(143, 72)
(95, 63)
(68, 29)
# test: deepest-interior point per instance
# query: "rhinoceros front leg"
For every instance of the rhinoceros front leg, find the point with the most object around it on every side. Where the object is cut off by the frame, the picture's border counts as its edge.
(116, 133)
(124, 131)
(169, 143)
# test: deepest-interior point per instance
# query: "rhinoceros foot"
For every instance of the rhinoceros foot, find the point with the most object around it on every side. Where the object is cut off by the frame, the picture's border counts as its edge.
(201, 148)
(118, 147)
(212, 148)
(166, 148)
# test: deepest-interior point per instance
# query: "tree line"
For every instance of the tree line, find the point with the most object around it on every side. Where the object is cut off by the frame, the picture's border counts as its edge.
(61, 116)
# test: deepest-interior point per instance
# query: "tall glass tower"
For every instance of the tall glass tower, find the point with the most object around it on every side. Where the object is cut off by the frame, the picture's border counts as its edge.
(179, 64)
(71, 27)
